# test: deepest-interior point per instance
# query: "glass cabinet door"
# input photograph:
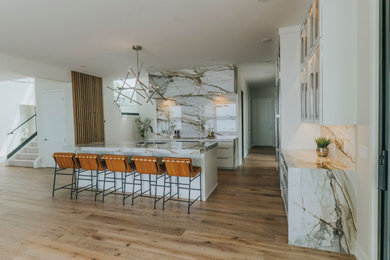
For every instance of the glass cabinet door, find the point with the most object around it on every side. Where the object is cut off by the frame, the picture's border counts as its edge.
(303, 95)
(316, 19)
(302, 46)
(317, 93)
(306, 47)
(309, 82)
(311, 26)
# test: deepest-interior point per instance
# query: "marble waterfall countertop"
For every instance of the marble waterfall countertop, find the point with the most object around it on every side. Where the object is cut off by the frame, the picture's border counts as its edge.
(309, 159)
(160, 146)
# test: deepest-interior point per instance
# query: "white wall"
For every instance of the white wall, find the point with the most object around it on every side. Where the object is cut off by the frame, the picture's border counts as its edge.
(33, 69)
(13, 93)
(293, 133)
(122, 128)
(367, 130)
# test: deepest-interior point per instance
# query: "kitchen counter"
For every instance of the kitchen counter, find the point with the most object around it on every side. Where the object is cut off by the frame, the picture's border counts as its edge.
(308, 159)
(227, 150)
(191, 139)
(159, 147)
(203, 154)
(319, 196)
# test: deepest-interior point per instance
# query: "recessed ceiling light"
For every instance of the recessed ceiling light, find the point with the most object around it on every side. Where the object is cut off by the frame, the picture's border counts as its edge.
(268, 60)
(264, 40)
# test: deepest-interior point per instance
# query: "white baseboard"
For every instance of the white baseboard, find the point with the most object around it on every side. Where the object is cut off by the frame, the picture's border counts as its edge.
(359, 253)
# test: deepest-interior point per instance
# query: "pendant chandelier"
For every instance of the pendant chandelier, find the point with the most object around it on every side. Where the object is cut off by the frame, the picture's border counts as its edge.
(146, 91)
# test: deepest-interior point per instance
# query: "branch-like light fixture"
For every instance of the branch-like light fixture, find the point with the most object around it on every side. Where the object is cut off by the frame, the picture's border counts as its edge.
(146, 91)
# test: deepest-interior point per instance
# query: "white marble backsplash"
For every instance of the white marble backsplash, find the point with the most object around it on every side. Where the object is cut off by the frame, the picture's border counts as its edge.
(343, 140)
(198, 100)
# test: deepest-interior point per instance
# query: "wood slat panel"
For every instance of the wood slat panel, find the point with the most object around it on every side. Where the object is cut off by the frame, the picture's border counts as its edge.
(87, 108)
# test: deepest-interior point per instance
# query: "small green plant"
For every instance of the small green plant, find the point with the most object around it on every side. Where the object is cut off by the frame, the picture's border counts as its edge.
(323, 142)
(143, 126)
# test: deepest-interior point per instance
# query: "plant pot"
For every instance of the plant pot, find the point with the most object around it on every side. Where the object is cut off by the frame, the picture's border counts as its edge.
(322, 152)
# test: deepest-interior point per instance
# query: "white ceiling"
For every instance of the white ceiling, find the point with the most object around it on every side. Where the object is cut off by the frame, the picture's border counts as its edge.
(95, 36)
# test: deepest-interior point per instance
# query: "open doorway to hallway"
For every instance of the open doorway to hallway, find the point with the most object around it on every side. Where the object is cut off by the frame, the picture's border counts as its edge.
(262, 115)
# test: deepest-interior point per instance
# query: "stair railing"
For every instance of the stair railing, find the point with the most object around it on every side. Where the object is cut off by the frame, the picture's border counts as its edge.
(21, 135)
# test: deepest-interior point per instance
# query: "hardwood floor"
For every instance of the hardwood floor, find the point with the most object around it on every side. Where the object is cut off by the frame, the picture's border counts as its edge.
(243, 219)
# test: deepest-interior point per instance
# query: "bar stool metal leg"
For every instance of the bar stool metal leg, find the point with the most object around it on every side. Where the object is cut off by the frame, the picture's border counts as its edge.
(132, 195)
(78, 182)
(155, 193)
(189, 195)
(178, 187)
(104, 184)
(124, 180)
(165, 179)
(97, 183)
(54, 181)
(73, 183)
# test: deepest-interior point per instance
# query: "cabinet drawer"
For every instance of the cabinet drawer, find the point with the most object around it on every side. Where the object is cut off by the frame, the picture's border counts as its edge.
(225, 152)
(225, 145)
(225, 163)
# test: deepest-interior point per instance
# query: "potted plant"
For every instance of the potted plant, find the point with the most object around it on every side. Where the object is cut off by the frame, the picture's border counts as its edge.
(142, 128)
(322, 146)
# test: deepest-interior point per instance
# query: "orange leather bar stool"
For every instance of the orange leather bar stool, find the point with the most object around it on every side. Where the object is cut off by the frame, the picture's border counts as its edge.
(146, 165)
(114, 164)
(182, 167)
(91, 163)
(63, 162)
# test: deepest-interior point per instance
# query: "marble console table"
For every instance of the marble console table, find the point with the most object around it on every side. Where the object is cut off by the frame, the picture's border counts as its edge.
(203, 154)
(320, 198)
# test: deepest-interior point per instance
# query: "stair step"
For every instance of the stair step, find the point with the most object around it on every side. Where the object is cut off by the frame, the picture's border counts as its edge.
(21, 163)
(33, 144)
(30, 150)
(27, 156)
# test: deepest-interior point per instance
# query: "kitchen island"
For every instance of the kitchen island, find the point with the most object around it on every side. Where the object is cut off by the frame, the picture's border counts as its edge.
(203, 154)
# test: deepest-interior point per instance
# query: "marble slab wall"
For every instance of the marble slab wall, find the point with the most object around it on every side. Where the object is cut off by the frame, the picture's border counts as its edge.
(198, 101)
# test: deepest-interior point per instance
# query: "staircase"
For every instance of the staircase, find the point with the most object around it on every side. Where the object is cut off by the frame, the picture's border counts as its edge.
(25, 157)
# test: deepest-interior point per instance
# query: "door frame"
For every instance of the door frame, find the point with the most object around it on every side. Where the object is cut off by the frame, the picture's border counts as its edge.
(384, 135)
(272, 116)
(41, 124)
(242, 126)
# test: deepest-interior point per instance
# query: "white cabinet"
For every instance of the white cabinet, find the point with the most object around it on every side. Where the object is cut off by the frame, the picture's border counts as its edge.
(226, 154)
(328, 63)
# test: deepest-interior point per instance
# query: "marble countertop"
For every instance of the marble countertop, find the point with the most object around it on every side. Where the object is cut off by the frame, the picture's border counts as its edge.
(195, 139)
(309, 159)
(168, 147)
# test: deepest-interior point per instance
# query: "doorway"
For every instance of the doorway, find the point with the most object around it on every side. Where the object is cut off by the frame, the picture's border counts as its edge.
(53, 124)
(263, 122)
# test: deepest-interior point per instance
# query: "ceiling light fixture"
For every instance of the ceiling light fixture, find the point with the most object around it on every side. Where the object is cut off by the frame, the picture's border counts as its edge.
(146, 91)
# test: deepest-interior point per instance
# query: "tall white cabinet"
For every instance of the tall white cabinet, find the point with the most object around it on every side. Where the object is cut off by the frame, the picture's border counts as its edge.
(328, 63)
